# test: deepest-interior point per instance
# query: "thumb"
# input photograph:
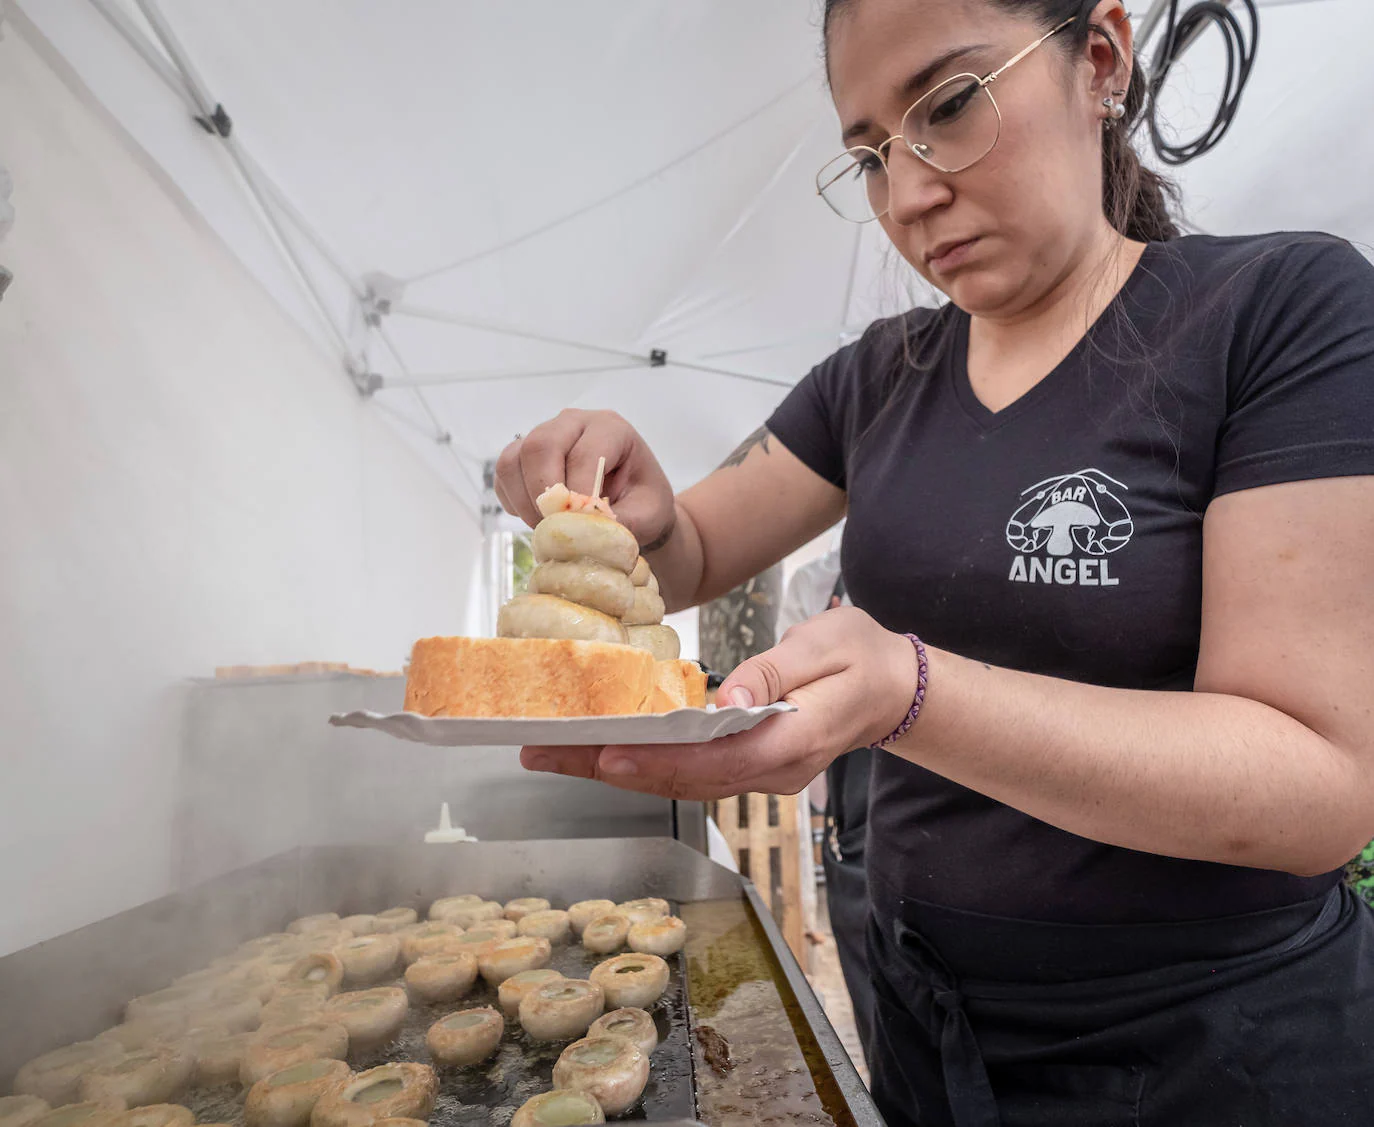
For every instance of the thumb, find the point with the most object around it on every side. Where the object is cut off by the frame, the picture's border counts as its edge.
(771, 675)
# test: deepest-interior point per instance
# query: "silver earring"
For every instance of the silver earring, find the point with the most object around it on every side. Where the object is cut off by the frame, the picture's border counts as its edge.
(1116, 110)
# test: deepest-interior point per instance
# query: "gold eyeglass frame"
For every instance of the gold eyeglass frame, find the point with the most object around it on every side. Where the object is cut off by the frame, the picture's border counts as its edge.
(983, 83)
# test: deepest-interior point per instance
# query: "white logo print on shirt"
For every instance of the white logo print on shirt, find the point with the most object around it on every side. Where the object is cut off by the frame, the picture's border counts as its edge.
(1062, 517)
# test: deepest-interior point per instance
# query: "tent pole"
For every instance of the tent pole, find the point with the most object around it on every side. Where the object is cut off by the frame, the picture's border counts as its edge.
(260, 194)
(178, 85)
(408, 310)
(186, 81)
(751, 377)
(150, 54)
(312, 236)
(189, 75)
(442, 378)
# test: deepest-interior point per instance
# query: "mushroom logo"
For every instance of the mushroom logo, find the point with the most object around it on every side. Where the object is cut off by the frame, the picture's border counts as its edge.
(1076, 511)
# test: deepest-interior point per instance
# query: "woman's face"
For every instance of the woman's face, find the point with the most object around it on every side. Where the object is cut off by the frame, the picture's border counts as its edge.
(1001, 234)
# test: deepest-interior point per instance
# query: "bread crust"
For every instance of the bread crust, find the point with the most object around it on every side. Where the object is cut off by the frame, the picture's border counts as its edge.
(677, 684)
(527, 677)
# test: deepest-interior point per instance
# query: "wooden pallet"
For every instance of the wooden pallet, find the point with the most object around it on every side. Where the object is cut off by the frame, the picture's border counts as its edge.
(765, 834)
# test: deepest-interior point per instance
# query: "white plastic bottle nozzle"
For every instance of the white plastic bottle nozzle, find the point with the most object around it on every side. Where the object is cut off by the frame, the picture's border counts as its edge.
(446, 832)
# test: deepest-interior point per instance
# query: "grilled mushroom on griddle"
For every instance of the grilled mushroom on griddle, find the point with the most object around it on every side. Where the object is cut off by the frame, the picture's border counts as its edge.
(632, 980)
(666, 935)
(147, 1076)
(20, 1111)
(630, 1022)
(369, 958)
(219, 1059)
(612, 1070)
(584, 911)
(321, 921)
(561, 1010)
(517, 910)
(90, 1113)
(370, 1016)
(563, 1107)
(287, 1097)
(512, 992)
(155, 1115)
(551, 925)
(466, 1037)
(441, 908)
(511, 956)
(388, 1091)
(131, 1035)
(606, 933)
(294, 1007)
(271, 1052)
(393, 919)
(442, 978)
(482, 939)
(473, 913)
(430, 938)
(364, 923)
(647, 908)
(319, 968)
(55, 1076)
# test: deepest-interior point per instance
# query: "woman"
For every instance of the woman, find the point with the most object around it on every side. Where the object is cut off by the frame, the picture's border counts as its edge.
(1120, 491)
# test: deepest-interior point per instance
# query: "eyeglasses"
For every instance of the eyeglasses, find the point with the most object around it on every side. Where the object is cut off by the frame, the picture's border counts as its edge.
(951, 128)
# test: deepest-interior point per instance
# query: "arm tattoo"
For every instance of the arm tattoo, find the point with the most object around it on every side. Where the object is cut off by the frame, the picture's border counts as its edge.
(661, 540)
(759, 438)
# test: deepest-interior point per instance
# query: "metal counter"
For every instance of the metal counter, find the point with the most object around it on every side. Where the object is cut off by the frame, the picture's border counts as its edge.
(71, 987)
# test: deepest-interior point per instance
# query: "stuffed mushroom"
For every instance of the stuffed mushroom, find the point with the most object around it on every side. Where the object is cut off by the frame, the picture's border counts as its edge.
(406, 1091)
(612, 1070)
(632, 980)
(467, 1037)
(287, 1097)
(442, 978)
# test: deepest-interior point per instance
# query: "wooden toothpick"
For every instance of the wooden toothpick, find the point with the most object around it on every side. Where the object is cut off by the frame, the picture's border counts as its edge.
(600, 478)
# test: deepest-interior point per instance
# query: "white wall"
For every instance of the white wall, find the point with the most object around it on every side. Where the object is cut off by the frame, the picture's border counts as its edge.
(185, 481)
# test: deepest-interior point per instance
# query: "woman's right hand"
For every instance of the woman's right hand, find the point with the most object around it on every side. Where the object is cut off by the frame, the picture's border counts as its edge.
(566, 450)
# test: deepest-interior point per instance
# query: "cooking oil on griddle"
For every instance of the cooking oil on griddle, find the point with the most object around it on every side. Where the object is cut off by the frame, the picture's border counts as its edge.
(776, 1073)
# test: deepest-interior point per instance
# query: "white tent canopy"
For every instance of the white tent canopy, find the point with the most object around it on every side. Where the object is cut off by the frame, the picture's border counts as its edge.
(544, 195)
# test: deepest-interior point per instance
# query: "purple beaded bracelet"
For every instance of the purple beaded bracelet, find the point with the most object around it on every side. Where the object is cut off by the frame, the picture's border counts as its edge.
(922, 675)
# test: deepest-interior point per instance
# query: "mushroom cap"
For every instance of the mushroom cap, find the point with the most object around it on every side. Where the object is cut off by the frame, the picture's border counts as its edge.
(1074, 514)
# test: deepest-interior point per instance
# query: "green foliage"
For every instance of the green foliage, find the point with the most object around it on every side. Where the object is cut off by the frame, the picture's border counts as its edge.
(522, 562)
(1360, 873)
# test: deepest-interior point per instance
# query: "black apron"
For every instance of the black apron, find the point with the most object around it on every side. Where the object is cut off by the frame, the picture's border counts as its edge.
(846, 879)
(1263, 1020)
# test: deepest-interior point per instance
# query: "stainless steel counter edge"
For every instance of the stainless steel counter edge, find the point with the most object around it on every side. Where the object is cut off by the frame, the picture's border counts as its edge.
(836, 1055)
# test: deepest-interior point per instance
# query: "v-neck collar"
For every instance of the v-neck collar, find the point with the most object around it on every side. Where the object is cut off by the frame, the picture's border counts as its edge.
(986, 419)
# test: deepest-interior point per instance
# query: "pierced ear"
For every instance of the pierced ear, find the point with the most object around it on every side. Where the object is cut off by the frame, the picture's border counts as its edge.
(1110, 49)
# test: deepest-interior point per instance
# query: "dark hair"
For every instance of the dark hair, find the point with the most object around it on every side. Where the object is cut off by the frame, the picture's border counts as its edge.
(1135, 199)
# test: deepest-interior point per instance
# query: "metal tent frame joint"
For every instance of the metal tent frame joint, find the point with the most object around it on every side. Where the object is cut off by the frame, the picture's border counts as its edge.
(218, 123)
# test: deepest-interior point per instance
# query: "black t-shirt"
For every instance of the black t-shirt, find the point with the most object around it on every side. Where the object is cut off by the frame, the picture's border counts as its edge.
(1063, 534)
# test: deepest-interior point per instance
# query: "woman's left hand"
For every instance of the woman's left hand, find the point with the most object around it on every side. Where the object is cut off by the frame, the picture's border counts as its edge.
(851, 680)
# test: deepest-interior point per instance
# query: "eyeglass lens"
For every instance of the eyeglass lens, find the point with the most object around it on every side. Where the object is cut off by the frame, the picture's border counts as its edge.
(953, 127)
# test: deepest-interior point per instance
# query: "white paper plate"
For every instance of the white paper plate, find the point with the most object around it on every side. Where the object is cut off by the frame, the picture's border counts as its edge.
(685, 726)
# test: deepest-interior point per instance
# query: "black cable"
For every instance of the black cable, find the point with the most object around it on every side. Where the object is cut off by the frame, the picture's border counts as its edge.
(1179, 34)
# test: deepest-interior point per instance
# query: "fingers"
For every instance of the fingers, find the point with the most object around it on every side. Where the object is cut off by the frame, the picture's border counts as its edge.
(510, 488)
(605, 435)
(799, 659)
(566, 450)
(544, 454)
(580, 762)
